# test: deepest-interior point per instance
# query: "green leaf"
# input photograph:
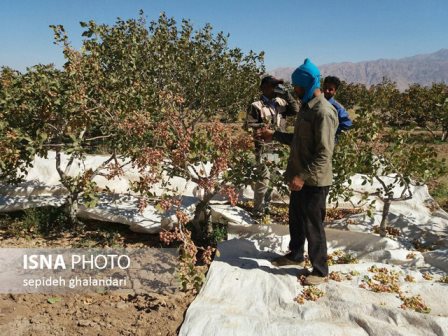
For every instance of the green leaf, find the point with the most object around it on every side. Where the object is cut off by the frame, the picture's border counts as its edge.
(53, 300)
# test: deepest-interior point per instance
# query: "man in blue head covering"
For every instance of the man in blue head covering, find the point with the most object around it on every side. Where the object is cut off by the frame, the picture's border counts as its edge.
(306, 80)
(309, 172)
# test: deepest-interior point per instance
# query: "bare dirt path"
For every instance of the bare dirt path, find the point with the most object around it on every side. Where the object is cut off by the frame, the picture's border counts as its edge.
(108, 313)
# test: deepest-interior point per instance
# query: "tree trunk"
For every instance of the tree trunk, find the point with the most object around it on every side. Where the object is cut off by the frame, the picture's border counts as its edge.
(383, 225)
(71, 209)
(202, 217)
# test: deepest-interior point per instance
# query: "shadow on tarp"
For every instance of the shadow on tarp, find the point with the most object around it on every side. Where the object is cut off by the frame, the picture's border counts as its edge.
(254, 245)
(243, 253)
(32, 188)
(17, 203)
(437, 258)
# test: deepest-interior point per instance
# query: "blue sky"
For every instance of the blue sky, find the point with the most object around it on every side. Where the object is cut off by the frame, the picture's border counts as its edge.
(288, 31)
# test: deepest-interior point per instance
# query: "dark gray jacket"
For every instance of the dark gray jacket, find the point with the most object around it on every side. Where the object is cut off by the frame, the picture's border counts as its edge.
(312, 143)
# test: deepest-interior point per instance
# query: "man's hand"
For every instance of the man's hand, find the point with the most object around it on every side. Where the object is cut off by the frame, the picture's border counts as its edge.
(280, 91)
(264, 134)
(296, 184)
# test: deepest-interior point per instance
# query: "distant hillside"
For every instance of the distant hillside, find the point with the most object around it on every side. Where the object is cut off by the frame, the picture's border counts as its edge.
(423, 69)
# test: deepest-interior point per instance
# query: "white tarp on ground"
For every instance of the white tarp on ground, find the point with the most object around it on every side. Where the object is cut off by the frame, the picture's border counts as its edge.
(245, 295)
(42, 187)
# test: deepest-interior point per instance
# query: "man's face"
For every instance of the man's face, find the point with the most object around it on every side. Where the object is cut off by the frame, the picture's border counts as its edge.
(268, 90)
(300, 91)
(329, 90)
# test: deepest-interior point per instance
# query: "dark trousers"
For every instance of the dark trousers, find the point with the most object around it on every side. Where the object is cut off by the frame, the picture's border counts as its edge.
(306, 221)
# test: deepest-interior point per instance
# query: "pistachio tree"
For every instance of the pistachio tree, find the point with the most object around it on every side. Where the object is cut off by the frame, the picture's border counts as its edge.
(350, 94)
(18, 149)
(439, 113)
(147, 94)
(386, 155)
(423, 107)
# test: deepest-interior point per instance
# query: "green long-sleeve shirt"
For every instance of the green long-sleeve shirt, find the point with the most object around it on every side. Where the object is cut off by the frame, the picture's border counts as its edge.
(312, 143)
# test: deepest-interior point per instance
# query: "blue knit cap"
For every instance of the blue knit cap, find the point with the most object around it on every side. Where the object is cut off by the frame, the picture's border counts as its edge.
(306, 76)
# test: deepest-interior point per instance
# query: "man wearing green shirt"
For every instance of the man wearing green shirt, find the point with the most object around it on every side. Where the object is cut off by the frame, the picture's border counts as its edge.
(309, 172)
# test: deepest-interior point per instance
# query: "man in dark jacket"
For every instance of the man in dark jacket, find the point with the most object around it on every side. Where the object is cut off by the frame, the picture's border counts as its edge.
(309, 172)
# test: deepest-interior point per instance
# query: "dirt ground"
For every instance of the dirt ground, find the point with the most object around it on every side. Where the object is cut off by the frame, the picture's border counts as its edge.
(93, 314)
(107, 313)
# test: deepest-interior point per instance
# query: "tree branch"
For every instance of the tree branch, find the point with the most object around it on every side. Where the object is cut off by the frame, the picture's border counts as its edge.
(100, 137)
(58, 164)
(69, 164)
(103, 165)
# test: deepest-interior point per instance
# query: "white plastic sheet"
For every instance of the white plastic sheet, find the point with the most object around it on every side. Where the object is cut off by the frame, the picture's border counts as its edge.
(43, 188)
(245, 295)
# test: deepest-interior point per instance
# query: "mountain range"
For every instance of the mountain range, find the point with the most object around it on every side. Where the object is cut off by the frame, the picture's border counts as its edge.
(423, 69)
